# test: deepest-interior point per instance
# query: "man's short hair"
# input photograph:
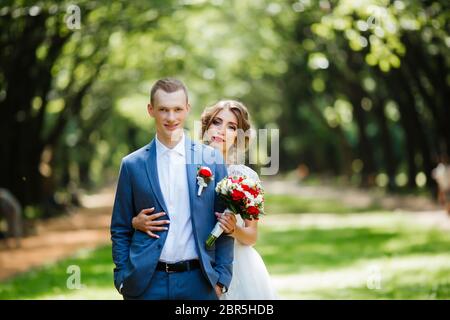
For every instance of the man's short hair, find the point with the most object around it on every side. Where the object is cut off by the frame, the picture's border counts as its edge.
(168, 85)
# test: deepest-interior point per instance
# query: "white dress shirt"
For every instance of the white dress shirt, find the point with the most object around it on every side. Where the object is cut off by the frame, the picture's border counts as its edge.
(171, 163)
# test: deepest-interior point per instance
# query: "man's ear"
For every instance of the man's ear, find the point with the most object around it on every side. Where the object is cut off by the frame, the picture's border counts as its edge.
(188, 107)
(150, 110)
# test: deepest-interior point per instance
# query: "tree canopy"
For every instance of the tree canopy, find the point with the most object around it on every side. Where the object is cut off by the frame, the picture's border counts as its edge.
(358, 89)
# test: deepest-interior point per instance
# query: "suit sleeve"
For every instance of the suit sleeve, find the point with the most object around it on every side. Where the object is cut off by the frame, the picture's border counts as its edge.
(121, 227)
(224, 244)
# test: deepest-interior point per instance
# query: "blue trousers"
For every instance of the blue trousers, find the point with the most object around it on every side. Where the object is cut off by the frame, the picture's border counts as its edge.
(187, 285)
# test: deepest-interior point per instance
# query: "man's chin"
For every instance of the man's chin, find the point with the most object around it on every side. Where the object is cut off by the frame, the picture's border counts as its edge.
(216, 145)
(173, 134)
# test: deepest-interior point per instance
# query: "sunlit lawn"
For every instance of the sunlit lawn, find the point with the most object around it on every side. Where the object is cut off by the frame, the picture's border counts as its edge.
(370, 255)
(387, 260)
(50, 282)
(290, 203)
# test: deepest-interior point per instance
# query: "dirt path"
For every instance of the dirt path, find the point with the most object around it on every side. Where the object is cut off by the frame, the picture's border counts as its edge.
(60, 237)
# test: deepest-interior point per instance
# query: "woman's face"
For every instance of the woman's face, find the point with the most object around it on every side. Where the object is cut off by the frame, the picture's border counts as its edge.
(222, 132)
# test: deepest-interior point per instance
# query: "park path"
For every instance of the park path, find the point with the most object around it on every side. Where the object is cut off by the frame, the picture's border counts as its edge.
(88, 227)
(61, 237)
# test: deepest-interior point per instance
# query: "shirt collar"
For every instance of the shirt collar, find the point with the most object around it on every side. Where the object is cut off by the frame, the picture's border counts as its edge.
(179, 148)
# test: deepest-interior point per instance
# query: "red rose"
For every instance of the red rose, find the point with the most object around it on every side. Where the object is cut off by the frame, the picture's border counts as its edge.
(253, 210)
(252, 191)
(205, 172)
(237, 195)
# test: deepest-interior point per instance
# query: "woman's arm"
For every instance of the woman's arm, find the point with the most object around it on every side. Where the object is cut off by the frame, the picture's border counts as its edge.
(247, 235)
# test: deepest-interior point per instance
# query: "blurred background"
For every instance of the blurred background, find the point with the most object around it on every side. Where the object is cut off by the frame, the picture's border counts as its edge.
(359, 91)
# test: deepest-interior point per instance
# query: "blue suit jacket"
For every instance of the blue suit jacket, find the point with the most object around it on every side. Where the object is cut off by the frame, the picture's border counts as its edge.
(136, 254)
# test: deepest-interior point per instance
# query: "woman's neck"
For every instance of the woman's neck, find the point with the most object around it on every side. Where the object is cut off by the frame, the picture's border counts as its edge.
(230, 157)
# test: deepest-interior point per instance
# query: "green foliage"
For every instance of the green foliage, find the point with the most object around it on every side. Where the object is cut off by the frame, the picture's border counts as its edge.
(343, 81)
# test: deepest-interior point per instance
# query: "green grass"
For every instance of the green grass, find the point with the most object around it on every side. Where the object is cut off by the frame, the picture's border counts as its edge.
(314, 249)
(412, 261)
(291, 204)
(309, 256)
(50, 281)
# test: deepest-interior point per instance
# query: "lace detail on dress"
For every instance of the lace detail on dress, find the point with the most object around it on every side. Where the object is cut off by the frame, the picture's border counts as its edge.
(242, 170)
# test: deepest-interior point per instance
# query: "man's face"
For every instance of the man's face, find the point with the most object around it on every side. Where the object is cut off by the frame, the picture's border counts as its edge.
(170, 111)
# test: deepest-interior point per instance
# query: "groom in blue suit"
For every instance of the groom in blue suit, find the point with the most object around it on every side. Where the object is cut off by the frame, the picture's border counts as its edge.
(171, 261)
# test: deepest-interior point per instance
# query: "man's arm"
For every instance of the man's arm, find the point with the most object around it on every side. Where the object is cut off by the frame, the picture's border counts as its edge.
(121, 227)
(224, 244)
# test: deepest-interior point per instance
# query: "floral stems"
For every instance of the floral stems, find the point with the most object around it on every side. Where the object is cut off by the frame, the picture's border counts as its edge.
(215, 233)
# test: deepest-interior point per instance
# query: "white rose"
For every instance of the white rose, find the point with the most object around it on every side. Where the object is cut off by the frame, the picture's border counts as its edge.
(248, 195)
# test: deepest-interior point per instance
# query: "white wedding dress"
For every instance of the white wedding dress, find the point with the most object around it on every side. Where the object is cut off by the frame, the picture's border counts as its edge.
(250, 280)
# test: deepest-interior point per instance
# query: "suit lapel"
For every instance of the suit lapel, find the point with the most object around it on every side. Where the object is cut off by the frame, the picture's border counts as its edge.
(152, 174)
(191, 170)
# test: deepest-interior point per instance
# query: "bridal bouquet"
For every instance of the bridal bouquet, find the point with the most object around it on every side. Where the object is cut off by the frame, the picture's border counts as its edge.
(243, 196)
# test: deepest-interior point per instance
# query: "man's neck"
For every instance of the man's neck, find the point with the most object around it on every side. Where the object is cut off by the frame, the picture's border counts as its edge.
(172, 141)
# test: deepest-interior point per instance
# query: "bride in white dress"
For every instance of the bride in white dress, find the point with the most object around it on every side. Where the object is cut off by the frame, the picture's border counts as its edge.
(251, 280)
(221, 124)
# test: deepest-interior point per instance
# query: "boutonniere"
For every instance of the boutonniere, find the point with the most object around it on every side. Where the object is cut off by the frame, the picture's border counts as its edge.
(204, 176)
